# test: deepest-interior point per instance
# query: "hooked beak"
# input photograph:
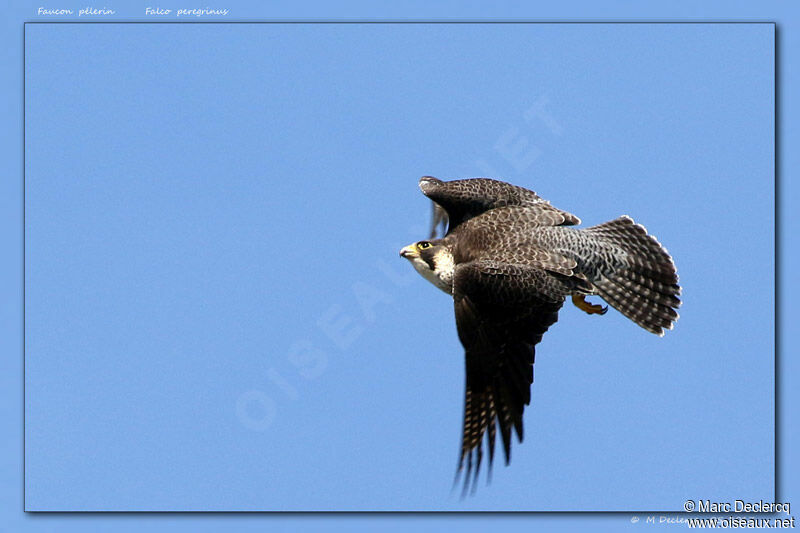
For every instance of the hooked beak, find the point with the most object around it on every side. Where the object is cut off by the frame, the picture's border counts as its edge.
(409, 251)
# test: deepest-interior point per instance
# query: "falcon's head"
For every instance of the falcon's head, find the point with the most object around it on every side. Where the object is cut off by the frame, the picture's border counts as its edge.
(434, 261)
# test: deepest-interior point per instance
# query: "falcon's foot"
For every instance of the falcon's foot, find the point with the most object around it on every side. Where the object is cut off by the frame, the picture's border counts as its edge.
(580, 302)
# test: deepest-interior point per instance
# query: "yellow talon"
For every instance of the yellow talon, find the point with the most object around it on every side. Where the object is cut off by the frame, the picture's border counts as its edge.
(580, 302)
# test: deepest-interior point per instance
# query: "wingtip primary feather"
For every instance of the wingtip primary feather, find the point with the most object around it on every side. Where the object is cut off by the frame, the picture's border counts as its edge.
(426, 183)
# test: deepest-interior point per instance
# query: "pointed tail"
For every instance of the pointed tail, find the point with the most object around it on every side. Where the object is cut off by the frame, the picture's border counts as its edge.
(643, 283)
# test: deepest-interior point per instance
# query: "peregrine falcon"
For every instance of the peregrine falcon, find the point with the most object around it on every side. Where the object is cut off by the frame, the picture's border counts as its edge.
(509, 259)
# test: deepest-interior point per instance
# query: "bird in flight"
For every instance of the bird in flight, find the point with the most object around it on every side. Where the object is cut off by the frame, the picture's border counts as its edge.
(510, 259)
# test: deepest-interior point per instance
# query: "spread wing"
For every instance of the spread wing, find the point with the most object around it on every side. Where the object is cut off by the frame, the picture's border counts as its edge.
(459, 200)
(502, 310)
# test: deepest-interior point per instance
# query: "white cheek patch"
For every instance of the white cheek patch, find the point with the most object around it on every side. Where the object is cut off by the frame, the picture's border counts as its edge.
(422, 267)
(425, 271)
(445, 263)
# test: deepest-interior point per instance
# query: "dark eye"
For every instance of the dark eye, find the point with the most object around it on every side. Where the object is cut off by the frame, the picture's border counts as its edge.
(423, 245)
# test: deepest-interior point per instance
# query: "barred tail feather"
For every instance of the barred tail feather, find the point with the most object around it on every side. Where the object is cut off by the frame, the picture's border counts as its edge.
(643, 286)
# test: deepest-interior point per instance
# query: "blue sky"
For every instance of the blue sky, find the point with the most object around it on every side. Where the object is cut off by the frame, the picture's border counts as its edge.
(217, 317)
(158, 319)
